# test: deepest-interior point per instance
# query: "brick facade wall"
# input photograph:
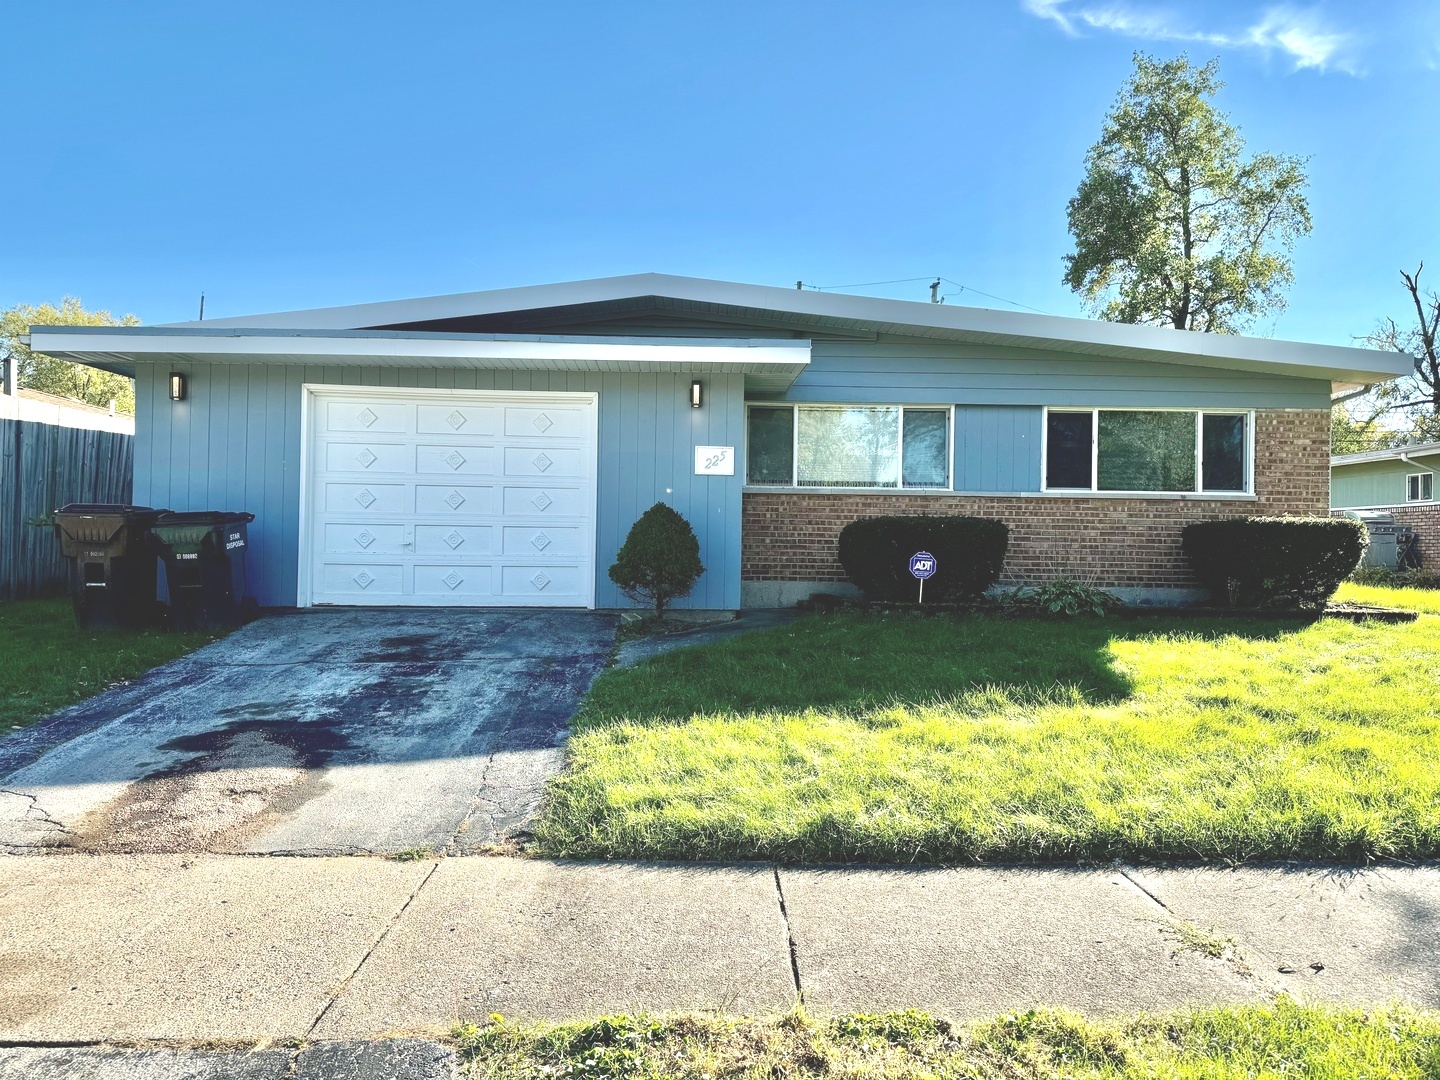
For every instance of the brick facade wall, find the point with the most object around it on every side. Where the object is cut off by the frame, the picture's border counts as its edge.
(1116, 543)
(1424, 518)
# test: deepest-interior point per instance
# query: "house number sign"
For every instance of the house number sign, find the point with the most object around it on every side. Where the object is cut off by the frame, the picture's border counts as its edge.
(714, 461)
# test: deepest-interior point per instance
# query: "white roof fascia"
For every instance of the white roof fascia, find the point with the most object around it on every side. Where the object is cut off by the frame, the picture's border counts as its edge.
(1341, 365)
(1396, 454)
(773, 363)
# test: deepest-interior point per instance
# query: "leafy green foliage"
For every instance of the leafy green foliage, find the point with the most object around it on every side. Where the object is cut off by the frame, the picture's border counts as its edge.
(49, 663)
(898, 737)
(1274, 562)
(660, 559)
(1064, 597)
(969, 553)
(45, 373)
(1268, 1041)
(1173, 226)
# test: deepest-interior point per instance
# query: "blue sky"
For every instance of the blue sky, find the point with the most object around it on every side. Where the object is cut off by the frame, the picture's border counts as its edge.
(303, 154)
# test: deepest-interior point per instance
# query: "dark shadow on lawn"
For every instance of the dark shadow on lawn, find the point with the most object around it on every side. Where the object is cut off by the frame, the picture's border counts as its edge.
(858, 661)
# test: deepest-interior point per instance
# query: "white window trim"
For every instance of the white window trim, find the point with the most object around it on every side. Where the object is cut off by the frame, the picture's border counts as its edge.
(898, 489)
(1197, 492)
(1421, 476)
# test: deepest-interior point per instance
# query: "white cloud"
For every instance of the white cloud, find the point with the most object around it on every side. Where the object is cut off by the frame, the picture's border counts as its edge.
(1301, 36)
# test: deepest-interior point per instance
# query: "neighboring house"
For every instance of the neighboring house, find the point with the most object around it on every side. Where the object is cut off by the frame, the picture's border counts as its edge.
(1403, 482)
(43, 408)
(494, 448)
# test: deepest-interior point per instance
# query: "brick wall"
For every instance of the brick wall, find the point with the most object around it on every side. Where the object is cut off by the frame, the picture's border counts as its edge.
(1117, 543)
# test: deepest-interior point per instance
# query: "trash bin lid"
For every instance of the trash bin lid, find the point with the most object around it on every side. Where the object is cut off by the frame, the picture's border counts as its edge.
(203, 517)
(108, 509)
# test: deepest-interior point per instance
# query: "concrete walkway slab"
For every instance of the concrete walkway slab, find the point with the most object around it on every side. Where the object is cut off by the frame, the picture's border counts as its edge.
(327, 732)
(1341, 935)
(550, 940)
(91, 1063)
(977, 942)
(177, 948)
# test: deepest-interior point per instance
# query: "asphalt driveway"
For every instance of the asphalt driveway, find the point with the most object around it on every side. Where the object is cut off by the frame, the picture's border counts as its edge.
(326, 732)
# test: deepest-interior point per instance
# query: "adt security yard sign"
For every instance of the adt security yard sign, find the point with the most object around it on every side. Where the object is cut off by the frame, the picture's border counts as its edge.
(922, 566)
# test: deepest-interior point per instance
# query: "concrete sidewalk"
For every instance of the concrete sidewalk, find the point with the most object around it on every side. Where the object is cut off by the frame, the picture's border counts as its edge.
(193, 948)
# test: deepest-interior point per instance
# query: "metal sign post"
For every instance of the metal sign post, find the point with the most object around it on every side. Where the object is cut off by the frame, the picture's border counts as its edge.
(922, 566)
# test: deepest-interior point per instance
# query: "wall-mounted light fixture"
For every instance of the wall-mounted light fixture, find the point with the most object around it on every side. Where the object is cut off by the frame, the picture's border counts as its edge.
(177, 386)
(694, 393)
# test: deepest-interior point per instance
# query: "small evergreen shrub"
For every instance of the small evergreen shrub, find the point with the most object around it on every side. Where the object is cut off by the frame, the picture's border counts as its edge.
(660, 559)
(969, 553)
(1274, 562)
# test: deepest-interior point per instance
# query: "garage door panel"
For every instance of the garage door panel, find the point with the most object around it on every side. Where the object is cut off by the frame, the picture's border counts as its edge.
(363, 583)
(375, 417)
(530, 583)
(546, 422)
(360, 538)
(458, 419)
(461, 541)
(433, 460)
(548, 461)
(366, 458)
(459, 581)
(543, 502)
(454, 500)
(450, 497)
(372, 500)
(549, 540)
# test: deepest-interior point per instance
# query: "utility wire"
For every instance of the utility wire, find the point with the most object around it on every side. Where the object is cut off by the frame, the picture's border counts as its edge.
(930, 277)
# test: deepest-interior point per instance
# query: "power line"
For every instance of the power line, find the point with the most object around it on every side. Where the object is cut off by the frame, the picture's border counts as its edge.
(962, 288)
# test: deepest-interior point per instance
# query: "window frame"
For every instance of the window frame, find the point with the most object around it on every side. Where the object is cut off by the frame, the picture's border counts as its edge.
(899, 488)
(1197, 492)
(1420, 487)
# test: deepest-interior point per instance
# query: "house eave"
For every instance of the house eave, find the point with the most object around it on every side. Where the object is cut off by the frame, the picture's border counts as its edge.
(767, 364)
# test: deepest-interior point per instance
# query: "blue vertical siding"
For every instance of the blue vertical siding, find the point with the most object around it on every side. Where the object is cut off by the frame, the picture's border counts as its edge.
(234, 444)
(997, 447)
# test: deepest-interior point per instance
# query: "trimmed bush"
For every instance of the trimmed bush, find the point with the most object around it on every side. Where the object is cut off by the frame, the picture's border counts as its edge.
(969, 553)
(1274, 562)
(660, 559)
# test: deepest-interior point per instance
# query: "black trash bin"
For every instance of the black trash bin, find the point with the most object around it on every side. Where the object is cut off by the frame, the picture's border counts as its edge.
(112, 576)
(204, 556)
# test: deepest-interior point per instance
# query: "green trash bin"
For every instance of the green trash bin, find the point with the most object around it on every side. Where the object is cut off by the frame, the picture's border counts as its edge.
(112, 573)
(204, 556)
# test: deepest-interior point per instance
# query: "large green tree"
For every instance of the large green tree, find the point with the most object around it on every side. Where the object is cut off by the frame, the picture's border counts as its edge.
(1173, 224)
(40, 372)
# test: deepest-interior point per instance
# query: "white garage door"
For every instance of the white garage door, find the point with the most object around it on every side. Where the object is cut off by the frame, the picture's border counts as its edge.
(449, 497)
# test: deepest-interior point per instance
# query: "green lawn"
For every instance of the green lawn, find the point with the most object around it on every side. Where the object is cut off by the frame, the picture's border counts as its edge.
(1427, 600)
(1244, 1043)
(46, 663)
(893, 738)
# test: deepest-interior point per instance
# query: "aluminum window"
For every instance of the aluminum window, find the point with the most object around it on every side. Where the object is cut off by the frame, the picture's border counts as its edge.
(849, 446)
(1147, 451)
(1420, 487)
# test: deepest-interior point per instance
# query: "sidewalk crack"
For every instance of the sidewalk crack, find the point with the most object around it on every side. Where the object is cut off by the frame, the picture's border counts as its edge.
(789, 937)
(380, 940)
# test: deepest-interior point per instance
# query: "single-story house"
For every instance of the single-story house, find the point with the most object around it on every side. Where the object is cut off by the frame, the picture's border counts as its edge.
(1402, 482)
(494, 448)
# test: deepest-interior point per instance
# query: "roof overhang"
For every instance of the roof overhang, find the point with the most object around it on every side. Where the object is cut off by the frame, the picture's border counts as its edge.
(1398, 453)
(815, 313)
(769, 365)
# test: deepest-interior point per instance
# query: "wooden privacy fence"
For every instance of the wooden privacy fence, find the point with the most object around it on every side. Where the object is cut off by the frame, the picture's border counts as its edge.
(43, 466)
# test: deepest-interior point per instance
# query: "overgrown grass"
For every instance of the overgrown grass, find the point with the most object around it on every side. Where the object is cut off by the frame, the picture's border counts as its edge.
(1254, 1042)
(896, 738)
(47, 663)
